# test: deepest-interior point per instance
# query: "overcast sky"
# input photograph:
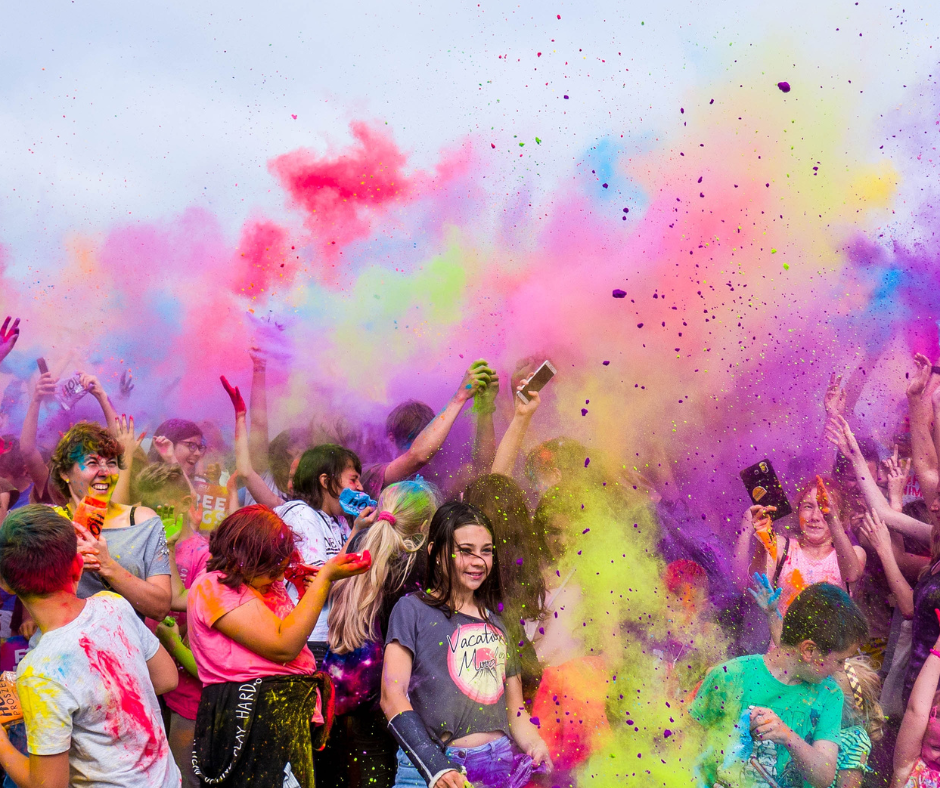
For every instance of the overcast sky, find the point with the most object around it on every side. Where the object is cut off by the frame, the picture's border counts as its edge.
(115, 112)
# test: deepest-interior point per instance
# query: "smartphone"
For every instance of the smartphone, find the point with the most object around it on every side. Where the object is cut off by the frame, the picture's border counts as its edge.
(537, 382)
(765, 489)
(43, 366)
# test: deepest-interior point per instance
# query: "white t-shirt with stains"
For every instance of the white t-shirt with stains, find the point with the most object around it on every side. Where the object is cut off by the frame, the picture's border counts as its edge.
(85, 689)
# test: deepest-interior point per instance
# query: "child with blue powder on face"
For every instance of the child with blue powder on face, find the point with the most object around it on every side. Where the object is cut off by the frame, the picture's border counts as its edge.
(785, 699)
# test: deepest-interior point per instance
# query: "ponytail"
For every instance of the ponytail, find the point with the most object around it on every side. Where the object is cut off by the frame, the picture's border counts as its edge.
(393, 540)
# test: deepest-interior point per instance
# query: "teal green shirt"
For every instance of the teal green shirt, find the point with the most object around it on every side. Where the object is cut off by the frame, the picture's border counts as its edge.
(812, 711)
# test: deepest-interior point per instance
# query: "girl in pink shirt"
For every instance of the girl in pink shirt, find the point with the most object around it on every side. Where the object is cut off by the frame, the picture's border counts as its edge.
(261, 694)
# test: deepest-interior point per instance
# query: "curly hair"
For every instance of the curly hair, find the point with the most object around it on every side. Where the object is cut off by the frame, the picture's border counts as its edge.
(83, 439)
(250, 543)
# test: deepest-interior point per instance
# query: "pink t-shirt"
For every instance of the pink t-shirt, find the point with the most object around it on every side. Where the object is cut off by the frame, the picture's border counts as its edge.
(800, 571)
(218, 657)
(192, 555)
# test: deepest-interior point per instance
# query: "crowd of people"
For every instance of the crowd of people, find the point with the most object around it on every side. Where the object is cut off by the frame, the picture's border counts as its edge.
(306, 609)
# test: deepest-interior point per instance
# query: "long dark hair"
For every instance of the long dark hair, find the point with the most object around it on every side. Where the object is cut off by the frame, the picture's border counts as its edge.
(520, 545)
(326, 458)
(439, 588)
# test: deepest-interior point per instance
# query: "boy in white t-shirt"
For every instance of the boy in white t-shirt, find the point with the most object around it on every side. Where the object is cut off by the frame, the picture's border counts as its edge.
(89, 688)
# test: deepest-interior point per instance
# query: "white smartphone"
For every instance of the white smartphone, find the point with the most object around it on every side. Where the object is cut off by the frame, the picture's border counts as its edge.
(537, 382)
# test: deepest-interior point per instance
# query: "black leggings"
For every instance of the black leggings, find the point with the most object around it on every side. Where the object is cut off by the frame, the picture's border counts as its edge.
(360, 753)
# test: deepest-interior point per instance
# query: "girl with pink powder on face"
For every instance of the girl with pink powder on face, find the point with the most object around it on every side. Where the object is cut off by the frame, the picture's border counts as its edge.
(917, 753)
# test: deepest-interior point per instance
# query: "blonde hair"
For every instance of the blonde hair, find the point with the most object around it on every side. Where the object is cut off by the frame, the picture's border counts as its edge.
(863, 698)
(356, 601)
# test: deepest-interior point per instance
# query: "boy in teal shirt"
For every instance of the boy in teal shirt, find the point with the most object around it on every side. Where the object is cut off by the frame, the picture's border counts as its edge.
(778, 715)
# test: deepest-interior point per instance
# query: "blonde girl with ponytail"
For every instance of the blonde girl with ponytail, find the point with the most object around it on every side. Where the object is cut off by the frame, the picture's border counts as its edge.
(360, 751)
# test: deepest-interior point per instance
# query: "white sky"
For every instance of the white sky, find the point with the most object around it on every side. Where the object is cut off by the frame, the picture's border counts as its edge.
(115, 112)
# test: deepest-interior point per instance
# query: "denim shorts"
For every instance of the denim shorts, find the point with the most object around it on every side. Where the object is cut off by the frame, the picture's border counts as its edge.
(497, 764)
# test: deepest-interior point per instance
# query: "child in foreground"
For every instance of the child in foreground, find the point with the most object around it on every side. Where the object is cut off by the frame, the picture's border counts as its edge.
(780, 713)
(260, 696)
(89, 688)
(863, 719)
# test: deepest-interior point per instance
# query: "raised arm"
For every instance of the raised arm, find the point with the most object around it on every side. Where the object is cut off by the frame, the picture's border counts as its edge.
(255, 626)
(839, 433)
(508, 450)
(96, 390)
(258, 401)
(768, 599)
(432, 437)
(920, 387)
(124, 432)
(484, 438)
(255, 484)
(8, 336)
(851, 559)
(35, 465)
(756, 547)
(876, 532)
(914, 724)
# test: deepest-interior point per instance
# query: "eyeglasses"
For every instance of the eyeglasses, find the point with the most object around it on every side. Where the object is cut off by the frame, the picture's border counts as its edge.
(195, 448)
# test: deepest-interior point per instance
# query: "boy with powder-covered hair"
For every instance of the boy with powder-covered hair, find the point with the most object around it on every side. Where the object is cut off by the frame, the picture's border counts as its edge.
(774, 718)
(89, 688)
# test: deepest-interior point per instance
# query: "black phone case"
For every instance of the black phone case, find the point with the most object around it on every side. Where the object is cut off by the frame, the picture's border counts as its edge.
(765, 489)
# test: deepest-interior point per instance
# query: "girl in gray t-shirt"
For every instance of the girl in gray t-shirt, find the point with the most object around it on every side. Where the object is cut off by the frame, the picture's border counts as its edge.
(447, 661)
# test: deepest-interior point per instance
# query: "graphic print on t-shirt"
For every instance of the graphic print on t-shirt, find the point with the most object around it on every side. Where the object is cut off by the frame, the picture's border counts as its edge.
(476, 659)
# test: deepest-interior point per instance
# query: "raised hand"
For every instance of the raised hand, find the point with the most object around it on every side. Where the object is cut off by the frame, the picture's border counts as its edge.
(765, 594)
(839, 434)
(876, 532)
(259, 357)
(834, 399)
(760, 516)
(897, 469)
(124, 432)
(526, 409)
(475, 379)
(172, 523)
(236, 396)
(126, 384)
(91, 384)
(485, 399)
(164, 447)
(918, 381)
(45, 387)
(8, 336)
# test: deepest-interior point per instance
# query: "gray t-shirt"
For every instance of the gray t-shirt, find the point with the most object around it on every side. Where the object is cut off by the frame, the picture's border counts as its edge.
(460, 667)
(141, 549)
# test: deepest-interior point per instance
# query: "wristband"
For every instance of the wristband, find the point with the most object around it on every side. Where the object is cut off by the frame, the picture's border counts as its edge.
(935, 652)
(421, 746)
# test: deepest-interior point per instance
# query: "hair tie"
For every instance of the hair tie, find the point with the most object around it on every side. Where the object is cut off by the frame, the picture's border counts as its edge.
(856, 686)
(388, 517)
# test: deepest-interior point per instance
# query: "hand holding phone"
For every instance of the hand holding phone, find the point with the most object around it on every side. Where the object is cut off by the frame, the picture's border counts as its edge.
(537, 381)
(764, 489)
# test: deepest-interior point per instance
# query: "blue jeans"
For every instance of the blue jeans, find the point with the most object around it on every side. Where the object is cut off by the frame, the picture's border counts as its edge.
(498, 764)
